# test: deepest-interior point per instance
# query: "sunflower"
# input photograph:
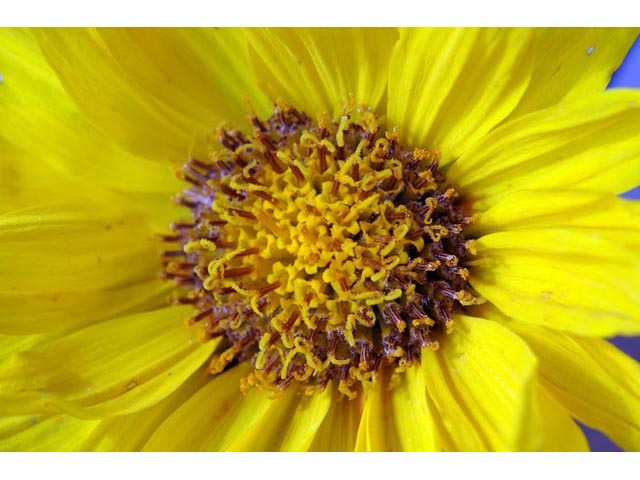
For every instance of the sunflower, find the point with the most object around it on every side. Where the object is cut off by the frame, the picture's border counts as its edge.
(380, 239)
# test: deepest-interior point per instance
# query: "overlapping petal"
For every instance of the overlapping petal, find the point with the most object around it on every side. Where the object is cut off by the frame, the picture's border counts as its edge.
(73, 258)
(449, 87)
(41, 120)
(317, 69)
(592, 379)
(130, 432)
(572, 63)
(59, 432)
(559, 431)
(413, 416)
(145, 96)
(590, 212)
(112, 368)
(339, 430)
(376, 431)
(591, 143)
(482, 383)
(561, 278)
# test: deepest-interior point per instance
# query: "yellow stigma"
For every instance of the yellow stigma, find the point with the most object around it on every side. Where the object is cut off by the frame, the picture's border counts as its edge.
(319, 251)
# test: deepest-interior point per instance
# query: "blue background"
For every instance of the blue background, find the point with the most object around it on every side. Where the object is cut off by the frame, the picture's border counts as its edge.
(628, 75)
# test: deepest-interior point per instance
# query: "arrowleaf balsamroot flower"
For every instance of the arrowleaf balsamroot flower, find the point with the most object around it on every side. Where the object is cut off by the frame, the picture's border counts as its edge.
(381, 239)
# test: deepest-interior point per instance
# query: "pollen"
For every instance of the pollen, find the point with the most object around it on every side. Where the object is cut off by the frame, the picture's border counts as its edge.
(319, 251)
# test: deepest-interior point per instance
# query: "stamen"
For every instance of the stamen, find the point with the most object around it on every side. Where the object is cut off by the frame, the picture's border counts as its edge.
(319, 252)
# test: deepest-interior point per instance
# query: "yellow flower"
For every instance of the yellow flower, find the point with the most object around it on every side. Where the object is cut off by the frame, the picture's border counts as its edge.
(419, 248)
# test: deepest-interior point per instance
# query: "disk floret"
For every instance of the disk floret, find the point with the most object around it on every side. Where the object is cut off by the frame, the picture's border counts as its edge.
(319, 251)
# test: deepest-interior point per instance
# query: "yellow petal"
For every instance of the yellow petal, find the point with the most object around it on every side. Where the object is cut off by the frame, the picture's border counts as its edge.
(188, 427)
(219, 418)
(571, 63)
(559, 432)
(128, 433)
(561, 278)
(307, 418)
(203, 74)
(491, 372)
(449, 87)
(376, 432)
(591, 143)
(44, 433)
(593, 380)
(317, 68)
(256, 423)
(458, 424)
(75, 261)
(10, 344)
(614, 218)
(339, 430)
(110, 98)
(40, 119)
(412, 415)
(112, 368)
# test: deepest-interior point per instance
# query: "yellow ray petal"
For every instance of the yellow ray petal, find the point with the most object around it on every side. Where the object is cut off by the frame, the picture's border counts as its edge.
(316, 68)
(593, 380)
(220, 418)
(449, 87)
(491, 372)
(413, 418)
(187, 428)
(559, 432)
(561, 278)
(458, 425)
(256, 423)
(130, 432)
(306, 420)
(591, 143)
(111, 99)
(10, 344)
(376, 432)
(203, 73)
(111, 368)
(44, 433)
(572, 63)
(75, 261)
(39, 118)
(339, 430)
(614, 218)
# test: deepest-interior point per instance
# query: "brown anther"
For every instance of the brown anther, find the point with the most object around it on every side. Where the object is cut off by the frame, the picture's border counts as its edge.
(269, 288)
(170, 238)
(237, 272)
(241, 213)
(322, 158)
(182, 226)
(172, 253)
(265, 196)
(297, 173)
(355, 171)
(292, 319)
(335, 188)
(247, 252)
(200, 316)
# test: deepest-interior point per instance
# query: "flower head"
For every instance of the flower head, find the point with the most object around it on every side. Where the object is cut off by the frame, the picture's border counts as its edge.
(409, 240)
(329, 252)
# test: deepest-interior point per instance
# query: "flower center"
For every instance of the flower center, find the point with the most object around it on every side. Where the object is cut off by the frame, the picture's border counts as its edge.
(319, 251)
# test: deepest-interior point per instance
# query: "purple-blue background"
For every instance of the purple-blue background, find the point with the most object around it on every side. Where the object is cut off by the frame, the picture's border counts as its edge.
(628, 75)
